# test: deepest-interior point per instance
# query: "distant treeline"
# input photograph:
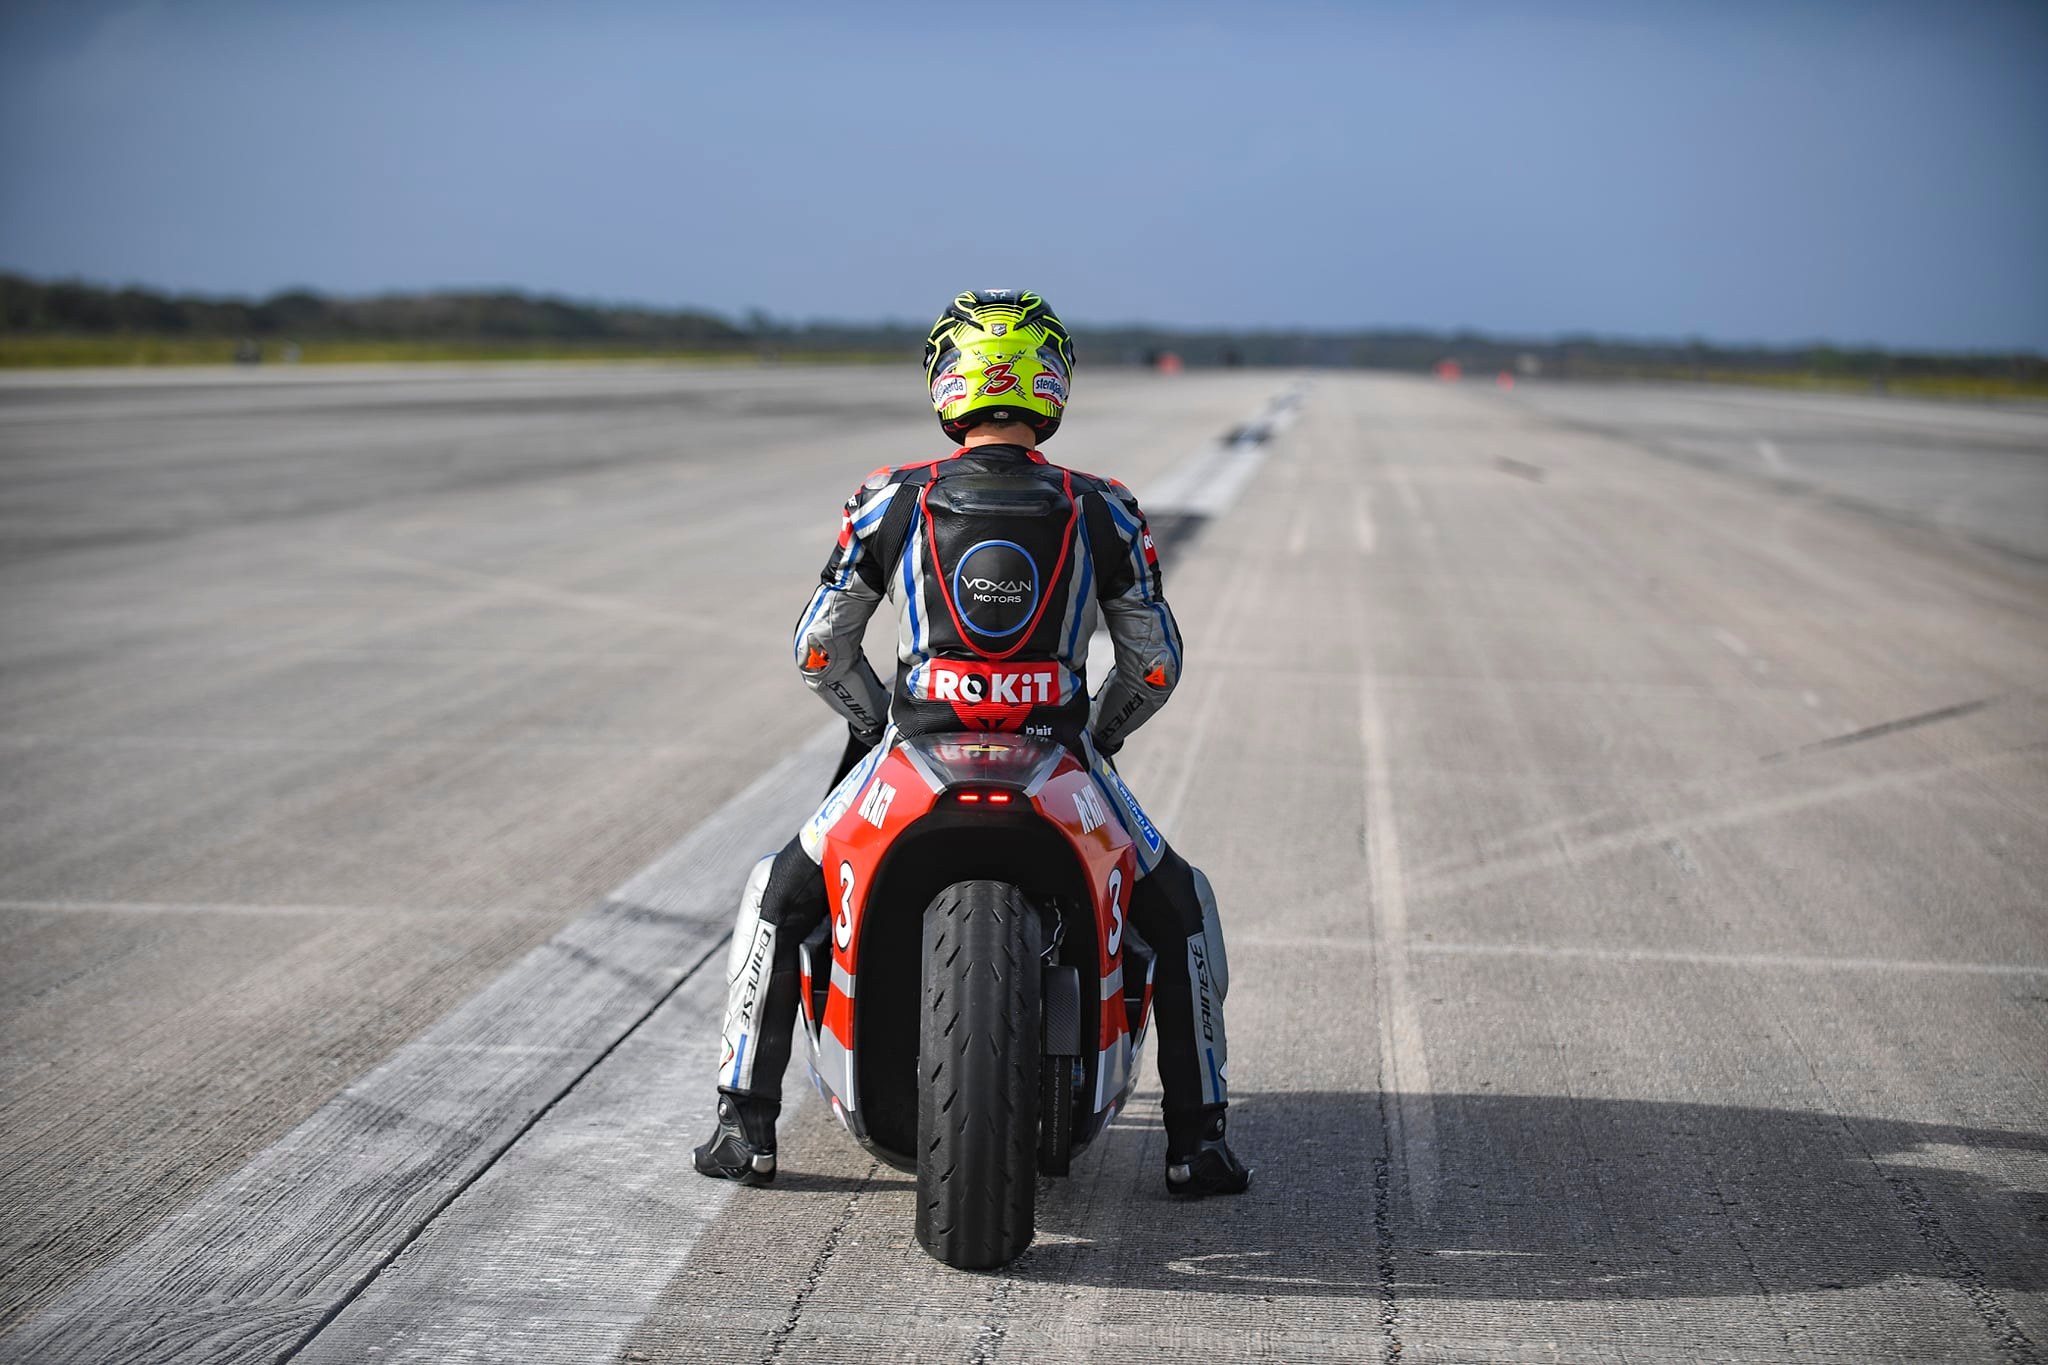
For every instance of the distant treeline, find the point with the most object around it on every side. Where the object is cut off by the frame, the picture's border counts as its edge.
(30, 308)
(73, 308)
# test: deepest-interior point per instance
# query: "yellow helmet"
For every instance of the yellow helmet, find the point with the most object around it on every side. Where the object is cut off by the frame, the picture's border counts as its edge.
(998, 355)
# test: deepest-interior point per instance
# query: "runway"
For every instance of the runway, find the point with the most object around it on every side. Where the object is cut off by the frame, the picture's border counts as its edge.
(1630, 844)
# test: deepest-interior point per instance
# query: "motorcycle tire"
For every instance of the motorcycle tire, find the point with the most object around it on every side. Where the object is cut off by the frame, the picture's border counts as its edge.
(978, 1059)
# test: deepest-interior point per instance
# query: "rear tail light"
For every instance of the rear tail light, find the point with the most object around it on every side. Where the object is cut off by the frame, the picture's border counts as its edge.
(976, 798)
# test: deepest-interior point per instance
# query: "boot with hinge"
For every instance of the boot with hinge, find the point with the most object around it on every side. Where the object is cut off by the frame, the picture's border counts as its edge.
(1199, 1162)
(743, 1147)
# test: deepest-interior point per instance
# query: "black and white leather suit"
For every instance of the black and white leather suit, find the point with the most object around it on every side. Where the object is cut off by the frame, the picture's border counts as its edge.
(999, 566)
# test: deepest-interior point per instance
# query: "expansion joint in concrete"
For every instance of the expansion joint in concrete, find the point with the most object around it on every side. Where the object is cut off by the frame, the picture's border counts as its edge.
(419, 1229)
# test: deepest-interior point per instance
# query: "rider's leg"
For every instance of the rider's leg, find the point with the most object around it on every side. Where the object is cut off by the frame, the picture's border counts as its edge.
(784, 901)
(1174, 908)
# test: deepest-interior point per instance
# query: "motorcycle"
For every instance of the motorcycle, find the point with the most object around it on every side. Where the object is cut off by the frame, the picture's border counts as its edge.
(974, 1005)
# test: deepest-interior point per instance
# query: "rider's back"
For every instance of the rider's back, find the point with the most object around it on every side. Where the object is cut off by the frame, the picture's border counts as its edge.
(999, 566)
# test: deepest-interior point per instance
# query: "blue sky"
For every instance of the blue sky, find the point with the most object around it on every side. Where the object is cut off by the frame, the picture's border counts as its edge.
(1777, 172)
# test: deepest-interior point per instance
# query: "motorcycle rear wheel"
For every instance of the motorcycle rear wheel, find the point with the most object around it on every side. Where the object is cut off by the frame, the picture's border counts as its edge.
(978, 1062)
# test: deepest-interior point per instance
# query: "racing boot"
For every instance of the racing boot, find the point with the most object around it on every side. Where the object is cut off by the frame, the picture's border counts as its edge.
(743, 1147)
(1199, 1162)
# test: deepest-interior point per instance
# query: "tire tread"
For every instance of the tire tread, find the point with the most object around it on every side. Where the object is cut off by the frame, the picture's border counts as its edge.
(978, 1116)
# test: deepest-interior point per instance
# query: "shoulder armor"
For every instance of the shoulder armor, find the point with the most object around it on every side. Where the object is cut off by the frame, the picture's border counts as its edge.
(1084, 482)
(1123, 495)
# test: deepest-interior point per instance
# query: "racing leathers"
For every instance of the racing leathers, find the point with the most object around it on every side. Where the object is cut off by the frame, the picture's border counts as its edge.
(892, 541)
(999, 566)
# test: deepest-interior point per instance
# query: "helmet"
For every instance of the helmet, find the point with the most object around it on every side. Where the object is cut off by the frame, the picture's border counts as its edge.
(998, 355)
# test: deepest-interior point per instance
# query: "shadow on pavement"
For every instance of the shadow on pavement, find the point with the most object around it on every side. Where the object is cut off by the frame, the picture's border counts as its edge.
(1547, 1198)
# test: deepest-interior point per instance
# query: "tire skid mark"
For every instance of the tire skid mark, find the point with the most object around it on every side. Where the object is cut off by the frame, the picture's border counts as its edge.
(1883, 728)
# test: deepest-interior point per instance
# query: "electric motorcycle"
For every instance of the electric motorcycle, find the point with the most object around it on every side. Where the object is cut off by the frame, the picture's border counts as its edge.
(974, 1004)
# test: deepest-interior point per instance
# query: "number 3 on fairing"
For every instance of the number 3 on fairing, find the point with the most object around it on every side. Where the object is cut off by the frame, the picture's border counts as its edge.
(1116, 910)
(842, 925)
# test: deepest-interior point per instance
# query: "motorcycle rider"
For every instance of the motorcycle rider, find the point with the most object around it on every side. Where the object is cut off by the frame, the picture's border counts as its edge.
(999, 364)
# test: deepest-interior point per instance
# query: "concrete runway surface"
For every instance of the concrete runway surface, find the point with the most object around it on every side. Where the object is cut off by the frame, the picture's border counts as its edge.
(1627, 806)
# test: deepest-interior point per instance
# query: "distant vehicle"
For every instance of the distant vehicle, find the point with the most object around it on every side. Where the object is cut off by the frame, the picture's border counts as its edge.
(976, 1002)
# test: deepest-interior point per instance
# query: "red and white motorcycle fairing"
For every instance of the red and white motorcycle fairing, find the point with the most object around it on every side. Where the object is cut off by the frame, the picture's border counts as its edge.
(937, 809)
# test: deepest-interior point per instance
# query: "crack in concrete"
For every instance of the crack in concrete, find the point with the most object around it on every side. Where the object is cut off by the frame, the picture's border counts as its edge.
(780, 1341)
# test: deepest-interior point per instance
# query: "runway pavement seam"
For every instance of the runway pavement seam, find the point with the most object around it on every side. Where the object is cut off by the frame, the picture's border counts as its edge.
(779, 1342)
(1962, 1270)
(1384, 1272)
(1409, 1119)
(521, 589)
(1646, 956)
(216, 908)
(1715, 1190)
(988, 1342)
(1406, 1104)
(461, 1187)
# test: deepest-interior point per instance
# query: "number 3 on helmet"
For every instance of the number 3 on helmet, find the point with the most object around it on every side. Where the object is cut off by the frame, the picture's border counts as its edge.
(999, 355)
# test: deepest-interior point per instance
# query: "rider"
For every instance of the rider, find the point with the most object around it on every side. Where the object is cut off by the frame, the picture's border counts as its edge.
(999, 363)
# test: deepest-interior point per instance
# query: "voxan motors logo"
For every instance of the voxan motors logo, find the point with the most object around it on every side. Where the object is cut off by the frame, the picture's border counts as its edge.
(1007, 591)
(996, 587)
